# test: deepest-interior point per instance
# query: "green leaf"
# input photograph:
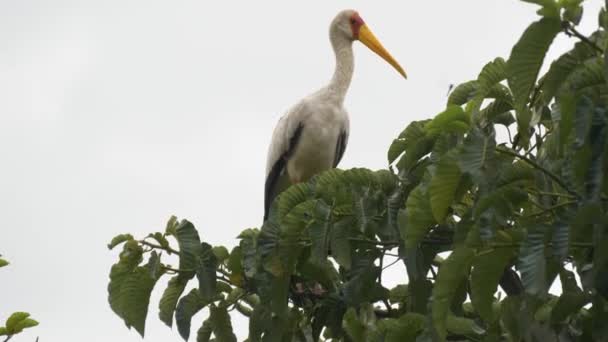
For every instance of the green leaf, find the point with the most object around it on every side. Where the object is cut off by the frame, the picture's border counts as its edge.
(361, 327)
(549, 8)
(118, 239)
(498, 112)
(24, 324)
(416, 142)
(171, 228)
(204, 332)
(189, 248)
(532, 263)
(319, 231)
(417, 218)
(3, 331)
(403, 329)
(561, 69)
(221, 253)
(560, 240)
(13, 320)
(135, 297)
(130, 258)
(205, 272)
(187, 307)
(340, 243)
(221, 325)
(463, 326)
(463, 93)
(488, 267)
(161, 239)
(443, 186)
(525, 62)
(453, 119)
(453, 271)
(169, 299)
(477, 153)
(3, 262)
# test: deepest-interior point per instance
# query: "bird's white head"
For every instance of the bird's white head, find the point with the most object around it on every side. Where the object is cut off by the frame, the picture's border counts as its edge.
(349, 25)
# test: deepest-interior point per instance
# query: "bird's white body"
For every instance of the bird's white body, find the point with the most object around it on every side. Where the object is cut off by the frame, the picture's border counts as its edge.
(312, 136)
(322, 123)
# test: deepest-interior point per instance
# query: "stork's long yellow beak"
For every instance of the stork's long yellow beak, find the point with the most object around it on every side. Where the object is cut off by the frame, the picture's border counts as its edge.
(367, 37)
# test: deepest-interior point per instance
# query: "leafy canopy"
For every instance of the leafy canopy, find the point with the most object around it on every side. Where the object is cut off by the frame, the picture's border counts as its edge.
(509, 179)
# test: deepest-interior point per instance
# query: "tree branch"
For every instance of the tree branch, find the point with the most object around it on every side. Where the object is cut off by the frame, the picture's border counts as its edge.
(149, 244)
(532, 163)
(571, 31)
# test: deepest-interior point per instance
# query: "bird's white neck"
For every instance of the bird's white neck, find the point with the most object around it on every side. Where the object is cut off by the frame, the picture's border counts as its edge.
(345, 65)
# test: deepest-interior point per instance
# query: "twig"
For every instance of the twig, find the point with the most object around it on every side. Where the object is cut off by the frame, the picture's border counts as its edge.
(551, 208)
(571, 31)
(167, 268)
(149, 244)
(391, 264)
(556, 194)
(538, 167)
(8, 338)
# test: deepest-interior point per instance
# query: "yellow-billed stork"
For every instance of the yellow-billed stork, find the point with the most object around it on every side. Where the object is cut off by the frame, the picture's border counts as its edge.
(311, 137)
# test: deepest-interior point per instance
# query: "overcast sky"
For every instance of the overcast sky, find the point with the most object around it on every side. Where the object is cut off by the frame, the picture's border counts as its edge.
(115, 115)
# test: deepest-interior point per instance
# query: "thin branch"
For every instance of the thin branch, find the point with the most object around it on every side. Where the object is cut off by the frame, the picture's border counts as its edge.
(149, 244)
(391, 264)
(532, 163)
(167, 268)
(8, 338)
(517, 245)
(551, 208)
(555, 194)
(571, 31)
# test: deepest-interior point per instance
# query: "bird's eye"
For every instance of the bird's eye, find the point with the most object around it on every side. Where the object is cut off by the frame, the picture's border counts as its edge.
(353, 21)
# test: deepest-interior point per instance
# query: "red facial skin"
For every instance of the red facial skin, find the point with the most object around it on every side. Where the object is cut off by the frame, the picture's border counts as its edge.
(355, 24)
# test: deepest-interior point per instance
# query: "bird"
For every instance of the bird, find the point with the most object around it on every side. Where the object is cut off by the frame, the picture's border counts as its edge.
(312, 136)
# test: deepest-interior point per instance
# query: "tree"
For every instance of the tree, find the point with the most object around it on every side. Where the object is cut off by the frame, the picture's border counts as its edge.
(535, 204)
(16, 322)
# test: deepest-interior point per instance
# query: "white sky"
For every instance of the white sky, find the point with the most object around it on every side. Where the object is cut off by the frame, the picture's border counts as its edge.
(115, 115)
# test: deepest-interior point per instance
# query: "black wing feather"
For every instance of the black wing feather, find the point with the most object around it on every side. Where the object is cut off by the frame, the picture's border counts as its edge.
(340, 147)
(278, 169)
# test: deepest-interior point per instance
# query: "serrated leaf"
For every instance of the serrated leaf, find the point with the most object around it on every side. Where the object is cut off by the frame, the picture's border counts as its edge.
(417, 218)
(171, 227)
(205, 272)
(477, 152)
(204, 332)
(525, 62)
(453, 271)
(488, 266)
(452, 120)
(169, 299)
(135, 297)
(340, 243)
(221, 325)
(130, 258)
(443, 186)
(463, 93)
(118, 239)
(189, 248)
(319, 231)
(532, 263)
(562, 67)
(187, 307)
(560, 240)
